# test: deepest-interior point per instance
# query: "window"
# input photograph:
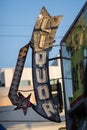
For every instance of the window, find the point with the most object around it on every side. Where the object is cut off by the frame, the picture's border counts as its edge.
(25, 83)
(2, 79)
(53, 81)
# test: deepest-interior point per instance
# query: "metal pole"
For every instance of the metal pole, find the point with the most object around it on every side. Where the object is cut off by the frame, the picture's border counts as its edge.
(67, 118)
(65, 104)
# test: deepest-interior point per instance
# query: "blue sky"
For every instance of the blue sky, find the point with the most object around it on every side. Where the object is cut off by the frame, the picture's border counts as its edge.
(17, 19)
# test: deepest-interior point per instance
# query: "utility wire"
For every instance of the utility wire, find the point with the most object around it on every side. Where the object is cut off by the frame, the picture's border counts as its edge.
(14, 35)
(58, 37)
(9, 25)
(22, 25)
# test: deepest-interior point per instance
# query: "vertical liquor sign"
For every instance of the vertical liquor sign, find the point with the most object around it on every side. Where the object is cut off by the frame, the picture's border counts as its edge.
(74, 65)
(41, 43)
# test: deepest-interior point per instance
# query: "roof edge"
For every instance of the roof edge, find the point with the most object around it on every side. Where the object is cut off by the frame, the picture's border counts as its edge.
(74, 22)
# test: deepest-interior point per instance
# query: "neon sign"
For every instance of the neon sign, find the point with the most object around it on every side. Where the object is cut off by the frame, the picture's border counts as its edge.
(41, 43)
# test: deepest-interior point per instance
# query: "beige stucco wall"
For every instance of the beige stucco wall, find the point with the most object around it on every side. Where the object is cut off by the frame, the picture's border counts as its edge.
(8, 73)
(54, 72)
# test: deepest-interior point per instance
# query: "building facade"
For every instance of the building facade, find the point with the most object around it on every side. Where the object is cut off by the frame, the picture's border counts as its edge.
(74, 71)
